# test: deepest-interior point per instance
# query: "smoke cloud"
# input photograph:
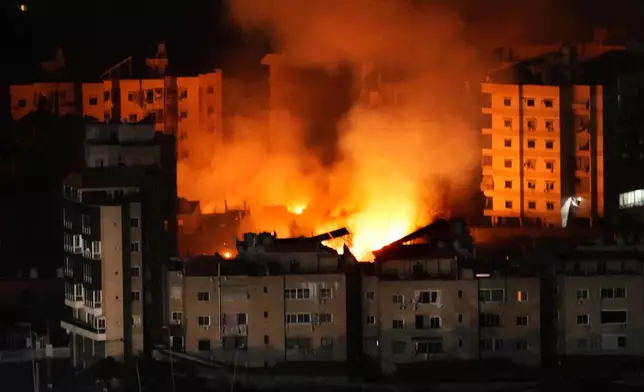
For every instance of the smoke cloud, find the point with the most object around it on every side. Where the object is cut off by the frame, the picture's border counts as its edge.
(381, 164)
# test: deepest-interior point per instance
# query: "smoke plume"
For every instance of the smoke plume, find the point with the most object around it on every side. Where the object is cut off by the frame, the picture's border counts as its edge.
(381, 164)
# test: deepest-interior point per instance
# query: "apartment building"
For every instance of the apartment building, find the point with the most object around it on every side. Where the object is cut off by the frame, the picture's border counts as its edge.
(118, 227)
(280, 300)
(555, 133)
(189, 107)
(600, 295)
(426, 301)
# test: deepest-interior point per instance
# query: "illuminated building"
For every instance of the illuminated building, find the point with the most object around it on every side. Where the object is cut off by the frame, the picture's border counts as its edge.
(561, 133)
(178, 105)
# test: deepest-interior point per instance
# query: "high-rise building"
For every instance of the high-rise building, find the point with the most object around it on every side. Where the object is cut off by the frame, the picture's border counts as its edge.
(555, 142)
(188, 107)
(119, 219)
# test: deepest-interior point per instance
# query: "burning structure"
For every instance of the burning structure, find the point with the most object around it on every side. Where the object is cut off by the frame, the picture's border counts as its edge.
(360, 131)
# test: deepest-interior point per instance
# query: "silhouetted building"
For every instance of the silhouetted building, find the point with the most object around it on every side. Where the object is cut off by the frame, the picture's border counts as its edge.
(120, 226)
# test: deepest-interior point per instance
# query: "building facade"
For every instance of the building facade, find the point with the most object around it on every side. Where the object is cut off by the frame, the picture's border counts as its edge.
(189, 107)
(118, 227)
(280, 300)
(561, 139)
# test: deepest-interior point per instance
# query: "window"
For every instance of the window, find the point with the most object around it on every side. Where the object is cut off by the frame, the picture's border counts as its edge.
(529, 102)
(135, 247)
(93, 101)
(550, 144)
(530, 164)
(136, 320)
(508, 204)
(491, 344)
(298, 318)
(550, 125)
(531, 143)
(176, 293)
(266, 339)
(371, 320)
(298, 343)
(491, 295)
(549, 186)
(550, 206)
(203, 345)
(583, 319)
(460, 294)
(210, 90)
(132, 118)
(507, 122)
(613, 293)
(522, 321)
(136, 296)
(183, 115)
(621, 341)
(547, 103)
(22, 103)
(210, 110)
(134, 222)
(370, 295)
(203, 321)
(508, 184)
(550, 165)
(325, 293)
(521, 345)
(490, 320)
(176, 317)
(325, 318)
(507, 163)
(398, 324)
(242, 319)
(531, 124)
(522, 295)
(428, 297)
(460, 317)
(582, 295)
(507, 101)
(532, 205)
(135, 271)
(203, 296)
(265, 289)
(265, 314)
(429, 346)
(130, 96)
(398, 299)
(398, 348)
(427, 322)
(183, 94)
(613, 317)
(297, 293)
(507, 142)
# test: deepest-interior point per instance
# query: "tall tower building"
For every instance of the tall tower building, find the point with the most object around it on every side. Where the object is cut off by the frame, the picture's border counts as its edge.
(554, 139)
(119, 219)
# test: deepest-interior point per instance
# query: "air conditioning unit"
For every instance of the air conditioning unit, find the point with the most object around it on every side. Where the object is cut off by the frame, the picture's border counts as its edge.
(206, 327)
(175, 322)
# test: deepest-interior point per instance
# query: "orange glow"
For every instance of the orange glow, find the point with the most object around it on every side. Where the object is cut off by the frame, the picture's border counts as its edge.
(296, 209)
(398, 150)
(227, 255)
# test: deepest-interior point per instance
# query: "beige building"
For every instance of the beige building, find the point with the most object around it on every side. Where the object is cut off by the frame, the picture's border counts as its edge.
(537, 152)
(600, 302)
(279, 300)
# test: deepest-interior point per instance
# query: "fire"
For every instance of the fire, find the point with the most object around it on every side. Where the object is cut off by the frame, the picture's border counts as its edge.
(227, 255)
(296, 209)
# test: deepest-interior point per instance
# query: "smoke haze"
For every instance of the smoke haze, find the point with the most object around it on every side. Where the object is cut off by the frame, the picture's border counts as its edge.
(381, 165)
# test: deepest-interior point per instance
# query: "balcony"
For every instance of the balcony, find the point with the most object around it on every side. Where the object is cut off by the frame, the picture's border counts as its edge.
(74, 301)
(94, 332)
(95, 308)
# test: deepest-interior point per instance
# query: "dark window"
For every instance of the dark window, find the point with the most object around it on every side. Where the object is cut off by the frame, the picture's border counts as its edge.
(266, 339)
(265, 289)
(134, 222)
(265, 314)
(106, 96)
(507, 101)
(135, 271)
(203, 296)
(136, 296)
(22, 103)
(429, 346)
(532, 205)
(241, 318)
(490, 320)
(547, 103)
(204, 345)
(529, 102)
(93, 101)
(613, 317)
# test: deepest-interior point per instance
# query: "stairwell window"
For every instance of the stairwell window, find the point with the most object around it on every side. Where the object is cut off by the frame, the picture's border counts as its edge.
(203, 296)
(583, 319)
(136, 296)
(135, 247)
